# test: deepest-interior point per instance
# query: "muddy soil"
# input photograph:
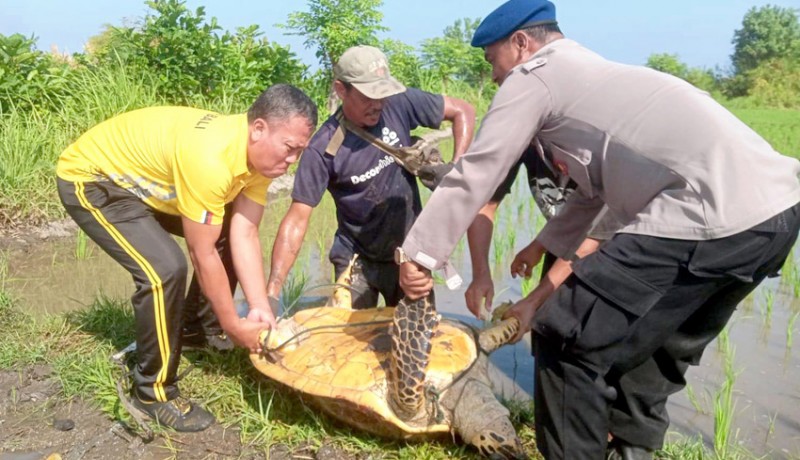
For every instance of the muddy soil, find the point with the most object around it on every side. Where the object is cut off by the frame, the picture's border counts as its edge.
(37, 423)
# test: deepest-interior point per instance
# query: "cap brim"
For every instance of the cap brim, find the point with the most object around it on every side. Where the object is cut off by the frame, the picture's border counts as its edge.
(381, 88)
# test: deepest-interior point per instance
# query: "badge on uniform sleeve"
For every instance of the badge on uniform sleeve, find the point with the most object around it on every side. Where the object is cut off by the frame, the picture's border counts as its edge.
(534, 64)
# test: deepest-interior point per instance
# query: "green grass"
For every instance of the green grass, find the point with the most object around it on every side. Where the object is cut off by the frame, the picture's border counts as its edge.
(78, 346)
(779, 127)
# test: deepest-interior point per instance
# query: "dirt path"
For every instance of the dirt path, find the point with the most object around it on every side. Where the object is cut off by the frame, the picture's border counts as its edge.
(37, 423)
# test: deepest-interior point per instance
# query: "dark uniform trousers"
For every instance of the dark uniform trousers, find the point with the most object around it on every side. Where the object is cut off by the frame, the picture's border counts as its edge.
(138, 238)
(615, 340)
(370, 278)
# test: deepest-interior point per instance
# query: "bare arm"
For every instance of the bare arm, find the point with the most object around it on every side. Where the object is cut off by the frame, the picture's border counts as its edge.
(246, 252)
(525, 309)
(287, 245)
(201, 239)
(479, 236)
(462, 114)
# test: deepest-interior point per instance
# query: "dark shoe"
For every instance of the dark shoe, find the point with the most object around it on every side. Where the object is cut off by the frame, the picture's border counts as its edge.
(621, 450)
(180, 414)
(199, 340)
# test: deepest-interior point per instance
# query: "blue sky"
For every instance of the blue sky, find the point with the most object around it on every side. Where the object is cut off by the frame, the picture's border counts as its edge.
(699, 31)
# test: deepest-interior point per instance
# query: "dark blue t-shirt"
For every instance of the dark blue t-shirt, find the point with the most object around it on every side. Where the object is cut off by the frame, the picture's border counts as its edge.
(376, 199)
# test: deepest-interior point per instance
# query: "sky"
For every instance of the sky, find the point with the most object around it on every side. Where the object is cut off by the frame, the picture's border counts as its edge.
(628, 31)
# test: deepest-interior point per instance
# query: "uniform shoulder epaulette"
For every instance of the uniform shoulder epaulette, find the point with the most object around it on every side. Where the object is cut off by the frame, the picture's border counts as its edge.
(533, 64)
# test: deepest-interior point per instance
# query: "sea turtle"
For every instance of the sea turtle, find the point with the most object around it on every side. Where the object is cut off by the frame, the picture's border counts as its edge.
(363, 368)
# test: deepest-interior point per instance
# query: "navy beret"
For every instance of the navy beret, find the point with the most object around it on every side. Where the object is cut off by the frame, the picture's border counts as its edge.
(510, 16)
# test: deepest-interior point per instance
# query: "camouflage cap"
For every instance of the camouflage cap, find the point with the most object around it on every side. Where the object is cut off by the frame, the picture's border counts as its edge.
(367, 68)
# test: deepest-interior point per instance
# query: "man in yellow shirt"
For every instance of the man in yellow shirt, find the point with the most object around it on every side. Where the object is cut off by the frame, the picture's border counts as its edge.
(131, 180)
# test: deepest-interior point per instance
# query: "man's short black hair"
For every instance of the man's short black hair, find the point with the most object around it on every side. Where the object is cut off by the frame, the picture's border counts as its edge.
(541, 32)
(281, 102)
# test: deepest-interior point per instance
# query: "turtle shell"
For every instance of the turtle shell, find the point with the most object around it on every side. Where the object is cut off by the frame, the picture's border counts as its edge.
(340, 358)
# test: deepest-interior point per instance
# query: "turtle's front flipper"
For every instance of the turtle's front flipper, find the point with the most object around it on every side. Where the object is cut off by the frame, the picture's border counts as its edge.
(342, 297)
(480, 419)
(497, 335)
(412, 328)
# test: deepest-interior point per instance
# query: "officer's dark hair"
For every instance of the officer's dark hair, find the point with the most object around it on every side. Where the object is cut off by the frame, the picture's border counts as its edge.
(542, 33)
(280, 103)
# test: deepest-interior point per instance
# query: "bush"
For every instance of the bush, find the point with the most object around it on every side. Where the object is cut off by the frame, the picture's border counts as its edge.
(776, 83)
(192, 59)
(28, 77)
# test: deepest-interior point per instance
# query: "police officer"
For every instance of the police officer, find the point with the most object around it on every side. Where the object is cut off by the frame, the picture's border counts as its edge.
(376, 199)
(129, 179)
(707, 210)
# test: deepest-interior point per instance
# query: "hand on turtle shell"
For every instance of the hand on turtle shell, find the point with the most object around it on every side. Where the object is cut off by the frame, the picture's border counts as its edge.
(246, 332)
(415, 280)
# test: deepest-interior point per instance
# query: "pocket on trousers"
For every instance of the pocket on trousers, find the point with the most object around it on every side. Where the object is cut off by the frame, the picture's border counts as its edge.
(619, 285)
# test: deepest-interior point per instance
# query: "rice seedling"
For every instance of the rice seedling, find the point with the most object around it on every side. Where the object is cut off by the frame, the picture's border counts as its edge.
(723, 341)
(769, 303)
(796, 283)
(693, 400)
(83, 250)
(789, 267)
(527, 285)
(5, 296)
(790, 330)
(770, 427)
(724, 404)
(291, 291)
(321, 246)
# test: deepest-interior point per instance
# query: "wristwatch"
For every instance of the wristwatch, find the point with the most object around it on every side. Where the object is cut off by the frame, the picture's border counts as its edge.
(400, 256)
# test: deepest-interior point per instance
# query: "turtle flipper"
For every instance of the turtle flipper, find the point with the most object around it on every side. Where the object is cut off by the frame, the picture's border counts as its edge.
(412, 328)
(482, 421)
(494, 337)
(342, 297)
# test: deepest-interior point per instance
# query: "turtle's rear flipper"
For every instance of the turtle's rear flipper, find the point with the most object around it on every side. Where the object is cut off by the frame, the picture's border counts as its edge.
(482, 421)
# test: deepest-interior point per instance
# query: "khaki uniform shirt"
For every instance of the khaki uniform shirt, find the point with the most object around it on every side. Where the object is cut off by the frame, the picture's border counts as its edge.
(665, 158)
(178, 160)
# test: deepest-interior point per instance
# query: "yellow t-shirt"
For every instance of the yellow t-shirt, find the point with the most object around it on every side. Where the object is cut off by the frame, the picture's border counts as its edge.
(178, 160)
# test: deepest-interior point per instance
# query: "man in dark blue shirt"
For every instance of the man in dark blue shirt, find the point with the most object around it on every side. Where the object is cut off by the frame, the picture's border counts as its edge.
(376, 199)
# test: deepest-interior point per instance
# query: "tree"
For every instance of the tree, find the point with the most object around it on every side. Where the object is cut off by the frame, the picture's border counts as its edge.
(767, 33)
(667, 63)
(671, 64)
(453, 58)
(776, 83)
(192, 57)
(332, 26)
(403, 61)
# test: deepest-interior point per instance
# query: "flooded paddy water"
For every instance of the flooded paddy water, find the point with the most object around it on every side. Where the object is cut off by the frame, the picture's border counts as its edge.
(758, 357)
